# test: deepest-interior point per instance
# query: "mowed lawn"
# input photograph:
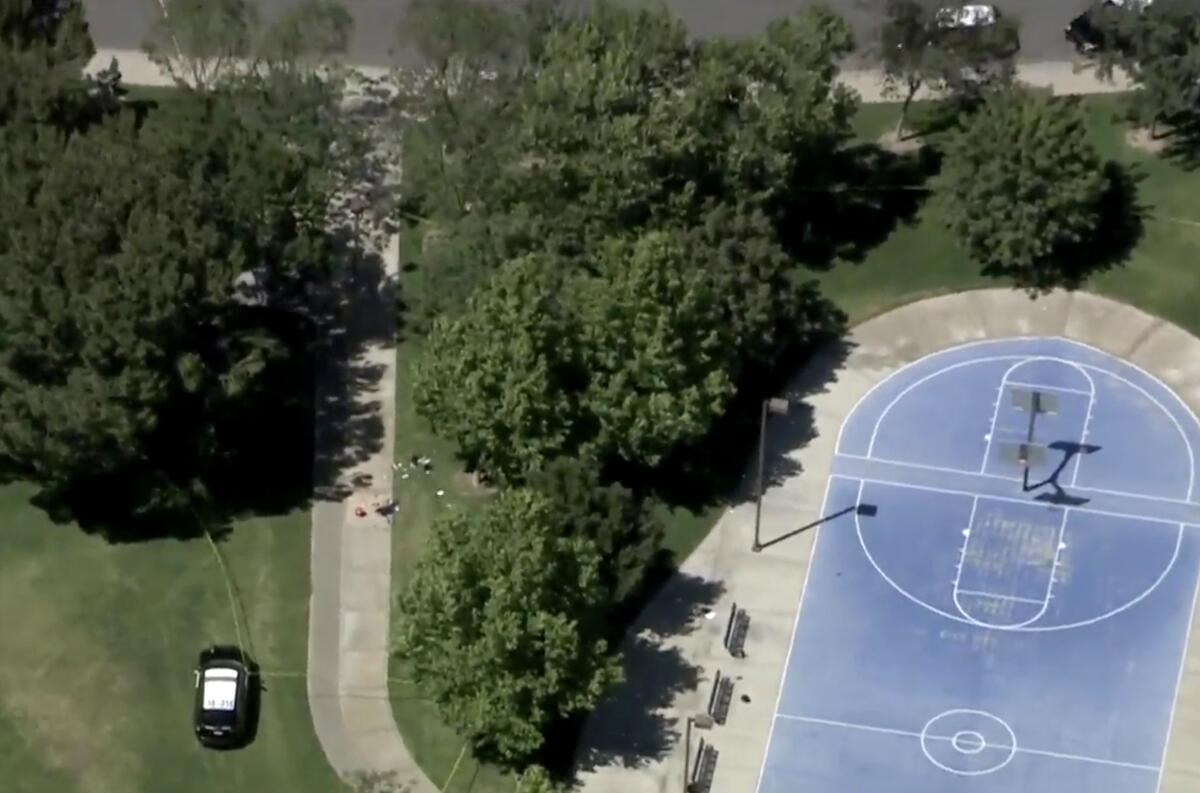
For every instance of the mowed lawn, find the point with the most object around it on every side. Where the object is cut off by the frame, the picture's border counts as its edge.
(97, 646)
(921, 259)
(918, 259)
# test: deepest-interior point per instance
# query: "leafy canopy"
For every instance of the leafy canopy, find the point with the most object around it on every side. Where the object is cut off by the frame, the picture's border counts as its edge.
(656, 179)
(503, 622)
(1022, 182)
(124, 357)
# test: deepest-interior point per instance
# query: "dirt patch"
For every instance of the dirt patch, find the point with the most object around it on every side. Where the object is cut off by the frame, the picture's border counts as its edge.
(1140, 138)
(904, 143)
(470, 484)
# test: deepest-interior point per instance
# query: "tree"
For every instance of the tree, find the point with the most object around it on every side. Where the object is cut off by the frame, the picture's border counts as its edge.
(44, 46)
(536, 779)
(621, 526)
(503, 624)
(1158, 45)
(658, 176)
(496, 380)
(202, 43)
(658, 359)
(1021, 182)
(58, 27)
(120, 344)
(476, 53)
(206, 44)
(768, 307)
(918, 50)
(312, 35)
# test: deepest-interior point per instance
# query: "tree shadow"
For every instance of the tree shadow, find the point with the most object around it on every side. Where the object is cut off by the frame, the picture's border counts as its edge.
(867, 192)
(211, 461)
(377, 782)
(713, 471)
(634, 725)
(792, 433)
(1118, 230)
(358, 318)
(1183, 147)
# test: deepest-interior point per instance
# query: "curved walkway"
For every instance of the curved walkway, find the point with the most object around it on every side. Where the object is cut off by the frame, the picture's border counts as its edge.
(349, 621)
(634, 741)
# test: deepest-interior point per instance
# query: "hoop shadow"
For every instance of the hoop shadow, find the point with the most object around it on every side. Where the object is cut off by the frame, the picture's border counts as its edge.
(1058, 495)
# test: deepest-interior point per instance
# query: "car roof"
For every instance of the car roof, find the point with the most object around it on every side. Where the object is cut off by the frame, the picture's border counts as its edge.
(968, 15)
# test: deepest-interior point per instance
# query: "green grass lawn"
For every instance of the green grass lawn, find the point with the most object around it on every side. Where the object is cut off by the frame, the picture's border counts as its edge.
(98, 650)
(918, 259)
(922, 259)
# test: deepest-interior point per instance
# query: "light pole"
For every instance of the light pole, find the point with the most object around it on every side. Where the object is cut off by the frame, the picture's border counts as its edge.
(779, 407)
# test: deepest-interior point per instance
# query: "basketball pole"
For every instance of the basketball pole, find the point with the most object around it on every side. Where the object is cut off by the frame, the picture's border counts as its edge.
(1035, 407)
(779, 406)
(687, 753)
(762, 454)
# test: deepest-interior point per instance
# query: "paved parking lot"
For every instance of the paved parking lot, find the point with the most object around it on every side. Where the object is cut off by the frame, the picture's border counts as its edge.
(124, 24)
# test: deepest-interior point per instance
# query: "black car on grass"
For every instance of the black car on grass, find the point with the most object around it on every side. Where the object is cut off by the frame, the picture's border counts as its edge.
(221, 715)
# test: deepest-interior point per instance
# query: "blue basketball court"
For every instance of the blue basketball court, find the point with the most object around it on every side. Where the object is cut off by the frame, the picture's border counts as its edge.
(996, 604)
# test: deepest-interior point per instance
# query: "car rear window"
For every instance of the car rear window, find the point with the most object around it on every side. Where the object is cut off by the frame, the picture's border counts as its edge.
(220, 690)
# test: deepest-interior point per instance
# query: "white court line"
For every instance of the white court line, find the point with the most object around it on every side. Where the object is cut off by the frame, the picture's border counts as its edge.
(1087, 422)
(1187, 637)
(991, 433)
(1005, 382)
(1044, 602)
(1003, 478)
(912, 734)
(1042, 387)
(852, 726)
(1108, 357)
(787, 660)
(1026, 358)
(994, 596)
(1011, 500)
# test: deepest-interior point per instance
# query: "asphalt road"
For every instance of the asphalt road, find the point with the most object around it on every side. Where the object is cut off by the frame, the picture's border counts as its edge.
(124, 24)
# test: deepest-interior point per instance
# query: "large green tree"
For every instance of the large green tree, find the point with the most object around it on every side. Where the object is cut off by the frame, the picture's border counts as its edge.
(44, 45)
(622, 526)
(503, 624)
(1158, 45)
(659, 361)
(121, 346)
(662, 177)
(918, 50)
(497, 380)
(1021, 183)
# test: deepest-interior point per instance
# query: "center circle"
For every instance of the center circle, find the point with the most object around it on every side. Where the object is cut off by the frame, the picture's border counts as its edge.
(968, 742)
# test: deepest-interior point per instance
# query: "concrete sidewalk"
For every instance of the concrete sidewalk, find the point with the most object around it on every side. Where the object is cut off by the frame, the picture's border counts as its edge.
(349, 613)
(1061, 77)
